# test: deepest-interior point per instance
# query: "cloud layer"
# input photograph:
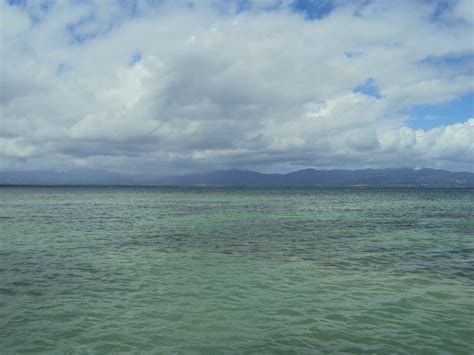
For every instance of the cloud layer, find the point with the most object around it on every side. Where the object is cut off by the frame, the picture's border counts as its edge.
(175, 86)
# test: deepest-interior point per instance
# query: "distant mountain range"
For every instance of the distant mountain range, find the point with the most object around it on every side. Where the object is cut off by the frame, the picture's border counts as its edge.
(70, 177)
(235, 177)
(312, 177)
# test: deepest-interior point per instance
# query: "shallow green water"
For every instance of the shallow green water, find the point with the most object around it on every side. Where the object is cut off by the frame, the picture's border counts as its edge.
(236, 270)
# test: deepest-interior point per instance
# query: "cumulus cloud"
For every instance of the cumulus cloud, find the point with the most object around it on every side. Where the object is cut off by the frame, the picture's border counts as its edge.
(176, 86)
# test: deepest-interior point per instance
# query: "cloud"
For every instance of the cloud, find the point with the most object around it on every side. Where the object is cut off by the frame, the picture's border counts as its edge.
(167, 87)
(15, 148)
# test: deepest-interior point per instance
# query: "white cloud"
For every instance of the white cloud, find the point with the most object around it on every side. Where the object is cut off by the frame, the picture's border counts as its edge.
(453, 142)
(214, 88)
(464, 9)
(15, 148)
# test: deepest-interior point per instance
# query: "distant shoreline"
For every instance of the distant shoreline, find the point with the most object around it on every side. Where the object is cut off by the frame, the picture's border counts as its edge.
(276, 187)
(403, 177)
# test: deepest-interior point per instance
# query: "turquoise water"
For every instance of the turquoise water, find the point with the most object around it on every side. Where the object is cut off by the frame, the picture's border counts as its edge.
(178, 270)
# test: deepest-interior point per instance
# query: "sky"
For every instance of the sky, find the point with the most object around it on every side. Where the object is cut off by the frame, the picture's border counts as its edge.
(168, 87)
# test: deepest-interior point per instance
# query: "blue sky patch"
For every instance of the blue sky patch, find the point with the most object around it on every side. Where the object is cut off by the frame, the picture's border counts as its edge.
(313, 9)
(136, 58)
(458, 60)
(78, 36)
(17, 2)
(369, 88)
(430, 116)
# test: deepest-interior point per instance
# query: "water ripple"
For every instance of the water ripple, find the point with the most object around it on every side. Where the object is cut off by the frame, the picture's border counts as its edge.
(235, 270)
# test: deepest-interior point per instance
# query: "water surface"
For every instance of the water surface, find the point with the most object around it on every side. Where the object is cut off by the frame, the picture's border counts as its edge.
(236, 270)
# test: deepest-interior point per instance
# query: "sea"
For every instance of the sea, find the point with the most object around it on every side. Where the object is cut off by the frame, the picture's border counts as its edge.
(236, 270)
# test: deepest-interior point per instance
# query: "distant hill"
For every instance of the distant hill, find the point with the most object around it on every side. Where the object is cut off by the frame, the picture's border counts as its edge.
(312, 177)
(71, 177)
(235, 177)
